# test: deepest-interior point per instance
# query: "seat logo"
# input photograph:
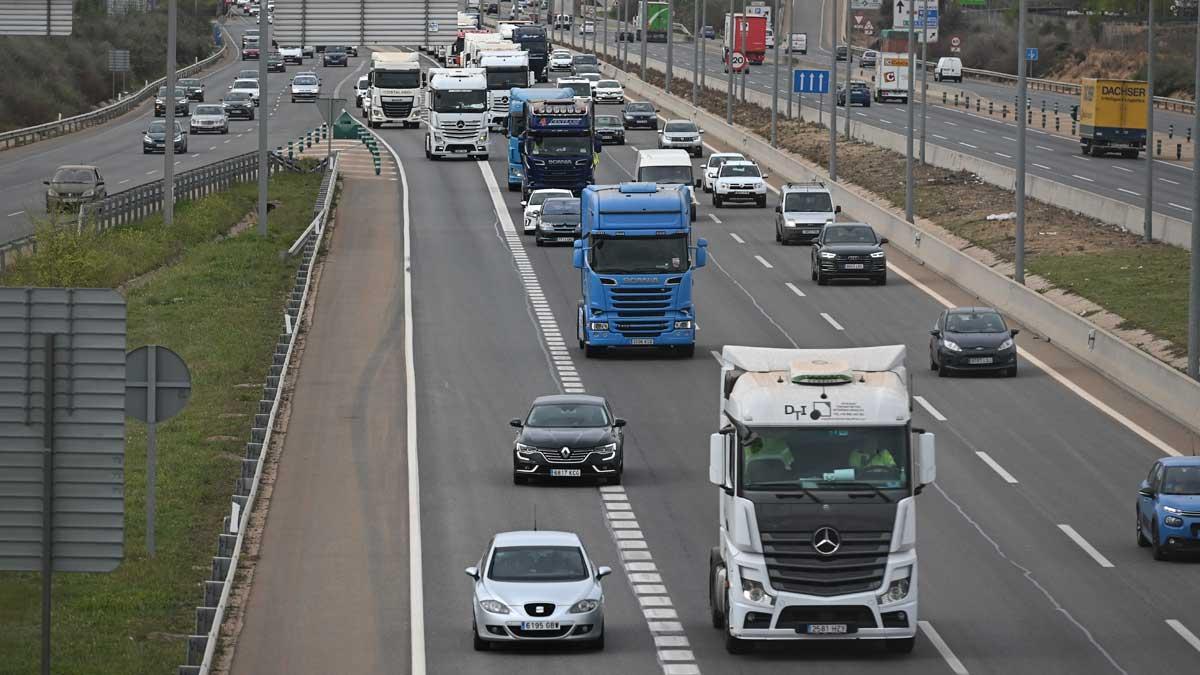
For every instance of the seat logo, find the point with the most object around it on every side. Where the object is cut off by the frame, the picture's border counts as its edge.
(826, 541)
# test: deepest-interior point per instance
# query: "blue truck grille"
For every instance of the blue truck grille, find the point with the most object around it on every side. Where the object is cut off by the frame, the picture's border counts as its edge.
(644, 328)
(637, 300)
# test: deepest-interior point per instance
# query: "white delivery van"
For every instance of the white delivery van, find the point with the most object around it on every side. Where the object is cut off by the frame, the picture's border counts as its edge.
(668, 167)
(948, 68)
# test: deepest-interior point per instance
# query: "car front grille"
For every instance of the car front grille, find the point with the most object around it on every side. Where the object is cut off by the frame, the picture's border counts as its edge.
(794, 565)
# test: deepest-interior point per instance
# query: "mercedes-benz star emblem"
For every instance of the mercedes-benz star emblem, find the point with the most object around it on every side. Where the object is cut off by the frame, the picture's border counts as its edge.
(460, 124)
(565, 452)
(826, 541)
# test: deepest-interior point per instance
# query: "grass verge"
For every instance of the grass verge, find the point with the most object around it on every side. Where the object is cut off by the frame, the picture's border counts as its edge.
(218, 304)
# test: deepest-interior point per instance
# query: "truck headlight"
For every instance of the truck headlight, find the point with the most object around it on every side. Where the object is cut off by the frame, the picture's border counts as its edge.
(1173, 521)
(493, 606)
(483, 136)
(897, 591)
(598, 325)
(755, 592)
(681, 325)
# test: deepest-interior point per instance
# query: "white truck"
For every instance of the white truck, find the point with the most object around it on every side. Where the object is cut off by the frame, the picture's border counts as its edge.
(394, 94)
(456, 109)
(475, 43)
(818, 465)
(891, 77)
(505, 70)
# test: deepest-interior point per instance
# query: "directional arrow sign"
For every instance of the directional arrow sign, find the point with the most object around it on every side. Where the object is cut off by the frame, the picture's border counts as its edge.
(810, 81)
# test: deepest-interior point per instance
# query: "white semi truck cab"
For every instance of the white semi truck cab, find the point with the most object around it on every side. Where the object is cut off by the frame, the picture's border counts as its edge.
(505, 70)
(395, 91)
(456, 105)
(817, 466)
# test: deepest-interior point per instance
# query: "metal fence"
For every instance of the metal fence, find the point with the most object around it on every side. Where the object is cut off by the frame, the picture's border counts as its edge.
(40, 132)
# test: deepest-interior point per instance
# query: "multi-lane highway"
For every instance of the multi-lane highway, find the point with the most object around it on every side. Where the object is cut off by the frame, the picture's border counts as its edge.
(1027, 543)
(116, 148)
(1048, 155)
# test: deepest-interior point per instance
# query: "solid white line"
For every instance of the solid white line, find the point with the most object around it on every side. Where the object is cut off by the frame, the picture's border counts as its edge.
(832, 322)
(953, 124)
(987, 459)
(1083, 544)
(1001, 154)
(1009, 138)
(123, 182)
(1057, 376)
(1129, 192)
(792, 287)
(1172, 164)
(973, 147)
(939, 644)
(633, 148)
(764, 262)
(885, 121)
(1043, 166)
(1085, 178)
(929, 408)
(737, 238)
(715, 219)
(1184, 633)
(941, 137)
(1179, 206)
(1168, 180)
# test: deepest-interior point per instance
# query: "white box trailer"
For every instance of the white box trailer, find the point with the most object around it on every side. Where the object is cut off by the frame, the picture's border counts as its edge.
(891, 77)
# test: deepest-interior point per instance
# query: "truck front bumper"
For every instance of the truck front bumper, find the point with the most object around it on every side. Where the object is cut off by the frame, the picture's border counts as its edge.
(673, 338)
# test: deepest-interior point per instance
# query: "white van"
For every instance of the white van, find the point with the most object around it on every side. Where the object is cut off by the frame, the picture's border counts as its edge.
(668, 167)
(948, 68)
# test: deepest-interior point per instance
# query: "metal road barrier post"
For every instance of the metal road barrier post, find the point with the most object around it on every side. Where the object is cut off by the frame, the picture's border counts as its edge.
(990, 109)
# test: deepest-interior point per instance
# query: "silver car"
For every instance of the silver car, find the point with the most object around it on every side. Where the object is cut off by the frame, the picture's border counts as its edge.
(537, 586)
(305, 88)
(209, 117)
(682, 135)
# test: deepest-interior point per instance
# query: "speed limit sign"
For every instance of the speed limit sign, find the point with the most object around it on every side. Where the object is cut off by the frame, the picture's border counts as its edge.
(737, 60)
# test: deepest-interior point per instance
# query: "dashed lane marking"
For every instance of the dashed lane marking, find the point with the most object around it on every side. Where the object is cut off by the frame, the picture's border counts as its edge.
(1129, 192)
(939, 644)
(792, 287)
(764, 262)
(968, 145)
(929, 408)
(1083, 178)
(715, 219)
(737, 238)
(1085, 545)
(831, 321)
(1184, 633)
(987, 459)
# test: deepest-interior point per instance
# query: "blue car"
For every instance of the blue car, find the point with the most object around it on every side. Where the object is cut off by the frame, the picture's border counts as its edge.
(1168, 507)
(860, 94)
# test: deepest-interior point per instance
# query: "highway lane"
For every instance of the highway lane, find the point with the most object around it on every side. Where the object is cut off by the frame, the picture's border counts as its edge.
(116, 147)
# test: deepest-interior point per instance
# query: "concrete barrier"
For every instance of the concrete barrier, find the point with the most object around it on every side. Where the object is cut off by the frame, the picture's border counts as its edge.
(1146, 377)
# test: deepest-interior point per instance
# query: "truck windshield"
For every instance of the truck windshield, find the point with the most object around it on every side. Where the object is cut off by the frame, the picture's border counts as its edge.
(667, 175)
(807, 202)
(397, 80)
(639, 255)
(560, 146)
(459, 100)
(507, 78)
(824, 458)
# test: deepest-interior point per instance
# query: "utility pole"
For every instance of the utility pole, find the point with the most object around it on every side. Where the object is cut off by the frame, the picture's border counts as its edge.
(644, 33)
(670, 45)
(791, 55)
(1148, 211)
(849, 60)
(1022, 115)
(264, 164)
(730, 27)
(775, 86)
(833, 45)
(1194, 295)
(696, 51)
(924, 82)
(169, 122)
(604, 16)
(745, 39)
(704, 50)
(908, 158)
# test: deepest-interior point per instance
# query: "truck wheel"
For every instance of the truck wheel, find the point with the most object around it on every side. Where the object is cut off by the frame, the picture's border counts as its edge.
(718, 618)
(590, 352)
(901, 645)
(514, 187)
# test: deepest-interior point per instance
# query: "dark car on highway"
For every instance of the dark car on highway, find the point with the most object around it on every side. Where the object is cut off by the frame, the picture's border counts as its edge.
(972, 338)
(72, 185)
(238, 104)
(842, 53)
(568, 436)
(639, 115)
(849, 251)
(558, 221)
(275, 62)
(336, 56)
(154, 140)
(860, 94)
(193, 87)
(610, 129)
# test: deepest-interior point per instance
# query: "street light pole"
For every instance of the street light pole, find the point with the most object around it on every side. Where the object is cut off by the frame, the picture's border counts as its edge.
(791, 56)
(849, 60)
(833, 45)
(730, 27)
(908, 158)
(775, 86)
(696, 51)
(1148, 211)
(1194, 294)
(704, 50)
(924, 82)
(670, 46)
(169, 121)
(1022, 116)
(644, 33)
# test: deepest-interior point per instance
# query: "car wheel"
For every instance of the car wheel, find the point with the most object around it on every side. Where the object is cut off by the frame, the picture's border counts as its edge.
(778, 234)
(590, 352)
(901, 645)
(714, 611)
(942, 370)
(813, 272)
(762, 202)
(1156, 547)
(932, 363)
(821, 280)
(881, 280)
(477, 642)
(1141, 538)
(537, 239)
(716, 201)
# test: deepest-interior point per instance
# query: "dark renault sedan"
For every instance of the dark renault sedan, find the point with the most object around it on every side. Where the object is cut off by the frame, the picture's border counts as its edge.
(568, 436)
(972, 338)
(849, 251)
(639, 115)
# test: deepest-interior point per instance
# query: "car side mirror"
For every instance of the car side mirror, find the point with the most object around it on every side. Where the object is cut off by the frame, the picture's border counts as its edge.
(619, 422)
(472, 572)
(837, 209)
(766, 176)
(883, 240)
(779, 208)
(515, 422)
(45, 182)
(1146, 491)
(716, 460)
(603, 571)
(935, 332)
(524, 203)
(701, 252)
(1014, 332)
(100, 183)
(577, 255)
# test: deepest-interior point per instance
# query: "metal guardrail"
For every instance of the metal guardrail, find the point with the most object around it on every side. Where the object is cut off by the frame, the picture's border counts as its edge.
(201, 646)
(40, 132)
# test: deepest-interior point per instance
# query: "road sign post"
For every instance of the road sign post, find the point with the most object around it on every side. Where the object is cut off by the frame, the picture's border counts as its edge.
(330, 107)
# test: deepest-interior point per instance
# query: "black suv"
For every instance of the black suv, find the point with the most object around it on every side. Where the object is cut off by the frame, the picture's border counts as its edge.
(568, 436)
(336, 56)
(849, 251)
(639, 114)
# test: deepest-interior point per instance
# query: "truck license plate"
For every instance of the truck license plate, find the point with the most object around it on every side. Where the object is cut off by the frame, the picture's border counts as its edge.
(539, 625)
(854, 266)
(565, 473)
(827, 628)
(979, 360)
(811, 231)
(642, 341)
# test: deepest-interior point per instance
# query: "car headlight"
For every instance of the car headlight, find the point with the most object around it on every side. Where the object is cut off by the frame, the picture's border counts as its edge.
(827, 255)
(1007, 344)
(147, 139)
(1172, 509)
(493, 606)
(878, 254)
(178, 138)
(598, 325)
(679, 325)
(951, 345)
(584, 606)
(51, 193)
(521, 448)
(89, 193)
(545, 226)
(1173, 521)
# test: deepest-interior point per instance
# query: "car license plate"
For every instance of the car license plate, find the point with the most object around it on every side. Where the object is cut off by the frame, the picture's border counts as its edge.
(539, 625)
(854, 266)
(827, 628)
(979, 360)
(460, 150)
(812, 231)
(565, 473)
(642, 341)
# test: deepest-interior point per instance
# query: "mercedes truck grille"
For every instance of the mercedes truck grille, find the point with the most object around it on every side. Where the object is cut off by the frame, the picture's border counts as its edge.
(795, 565)
(468, 130)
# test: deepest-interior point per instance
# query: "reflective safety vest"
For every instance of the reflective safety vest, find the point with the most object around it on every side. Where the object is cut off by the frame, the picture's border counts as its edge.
(862, 458)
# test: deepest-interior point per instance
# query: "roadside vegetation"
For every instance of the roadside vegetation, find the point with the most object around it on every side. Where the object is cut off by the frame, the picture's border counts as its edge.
(45, 76)
(218, 301)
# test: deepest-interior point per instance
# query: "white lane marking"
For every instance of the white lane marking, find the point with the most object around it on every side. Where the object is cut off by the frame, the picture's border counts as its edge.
(929, 408)
(1121, 168)
(1083, 178)
(953, 124)
(1001, 154)
(1039, 131)
(968, 145)
(633, 148)
(1179, 206)
(792, 287)
(226, 141)
(1009, 139)
(1168, 180)
(1085, 545)
(1172, 164)
(1042, 147)
(1081, 158)
(715, 219)
(885, 121)
(150, 173)
(987, 459)
(831, 321)
(1129, 192)
(939, 644)
(940, 137)
(1184, 633)
(630, 542)
(1043, 166)
(212, 147)
(737, 238)
(764, 262)
(979, 131)
(1103, 407)
(193, 156)
(15, 213)
(123, 182)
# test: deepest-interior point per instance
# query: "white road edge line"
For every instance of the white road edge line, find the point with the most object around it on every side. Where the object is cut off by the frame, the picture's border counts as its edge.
(15, 213)
(939, 644)
(929, 408)
(832, 322)
(987, 459)
(416, 578)
(1184, 633)
(1085, 545)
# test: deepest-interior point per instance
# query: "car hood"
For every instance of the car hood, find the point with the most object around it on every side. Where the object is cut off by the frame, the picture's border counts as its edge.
(851, 249)
(551, 437)
(71, 188)
(976, 340)
(157, 135)
(1184, 502)
(516, 595)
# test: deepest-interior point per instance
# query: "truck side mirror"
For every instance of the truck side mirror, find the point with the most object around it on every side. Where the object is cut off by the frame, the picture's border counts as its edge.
(701, 252)
(699, 183)
(837, 209)
(716, 460)
(926, 460)
(424, 78)
(577, 254)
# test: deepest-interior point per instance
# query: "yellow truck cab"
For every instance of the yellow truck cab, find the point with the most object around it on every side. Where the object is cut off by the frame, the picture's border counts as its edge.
(1111, 116)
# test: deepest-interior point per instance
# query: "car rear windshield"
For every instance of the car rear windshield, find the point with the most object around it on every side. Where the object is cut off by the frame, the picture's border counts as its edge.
(537, 563)
(975, 322)
(850, 234)
(567, 415)
(679, 127)
(335, 50)
(73, 176)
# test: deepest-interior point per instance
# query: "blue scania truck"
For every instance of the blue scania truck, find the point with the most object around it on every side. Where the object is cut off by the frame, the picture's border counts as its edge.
(636, 260)
(518, 98)
(559, 145)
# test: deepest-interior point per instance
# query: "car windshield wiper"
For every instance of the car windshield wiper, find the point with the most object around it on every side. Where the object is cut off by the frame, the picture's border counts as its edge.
(859, 485)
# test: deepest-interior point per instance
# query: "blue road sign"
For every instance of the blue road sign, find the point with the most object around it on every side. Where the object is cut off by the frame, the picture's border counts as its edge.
(810, 81)
(1031, 54)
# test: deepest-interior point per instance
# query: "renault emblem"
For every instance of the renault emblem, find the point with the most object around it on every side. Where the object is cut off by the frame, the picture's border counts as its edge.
(826, 541)
(565, 452)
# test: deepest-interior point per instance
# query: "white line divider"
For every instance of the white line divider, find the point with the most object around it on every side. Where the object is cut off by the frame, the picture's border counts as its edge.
(944, 649)
(736, 238)
(793, 288)
(929, 408)
(831, 321)
(1184, 633)
(674, 654)
(987, 459)
(764, 262)
(1085, 545)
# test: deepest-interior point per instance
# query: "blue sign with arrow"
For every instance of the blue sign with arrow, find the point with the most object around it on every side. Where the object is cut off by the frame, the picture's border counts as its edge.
(1031, 54)
(810, 81)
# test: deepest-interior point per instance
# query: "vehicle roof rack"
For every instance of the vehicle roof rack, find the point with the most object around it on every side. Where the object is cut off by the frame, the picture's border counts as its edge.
(811, 183)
